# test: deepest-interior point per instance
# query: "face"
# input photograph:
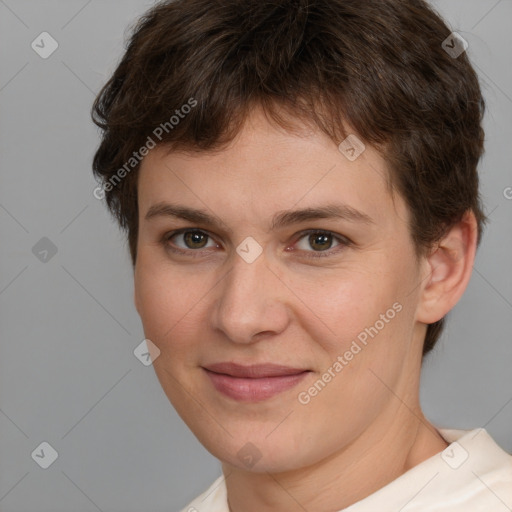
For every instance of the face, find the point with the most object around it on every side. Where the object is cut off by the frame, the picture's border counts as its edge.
(278, 280)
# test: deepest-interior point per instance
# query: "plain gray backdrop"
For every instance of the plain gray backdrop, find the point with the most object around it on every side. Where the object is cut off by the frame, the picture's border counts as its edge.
(68, 374)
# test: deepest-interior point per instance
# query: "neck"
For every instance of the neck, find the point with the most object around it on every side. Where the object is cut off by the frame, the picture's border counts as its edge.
(400, 440)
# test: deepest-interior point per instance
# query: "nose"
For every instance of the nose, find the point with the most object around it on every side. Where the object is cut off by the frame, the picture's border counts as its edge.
(251, 302)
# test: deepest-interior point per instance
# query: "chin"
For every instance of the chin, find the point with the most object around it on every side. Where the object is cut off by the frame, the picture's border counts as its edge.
(260, 453)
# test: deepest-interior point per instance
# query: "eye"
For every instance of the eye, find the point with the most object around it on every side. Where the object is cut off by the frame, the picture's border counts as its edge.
(321, 242)
(187, 240)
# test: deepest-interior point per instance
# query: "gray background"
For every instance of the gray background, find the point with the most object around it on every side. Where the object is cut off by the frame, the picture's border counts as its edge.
(68, 375)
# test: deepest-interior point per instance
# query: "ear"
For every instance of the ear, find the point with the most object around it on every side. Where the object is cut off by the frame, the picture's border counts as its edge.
(448, 270)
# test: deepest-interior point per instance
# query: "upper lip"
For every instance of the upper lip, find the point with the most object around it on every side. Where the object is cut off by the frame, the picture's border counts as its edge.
(254, 371)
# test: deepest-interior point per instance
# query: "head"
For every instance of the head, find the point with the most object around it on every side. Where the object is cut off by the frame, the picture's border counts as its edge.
(241, 111)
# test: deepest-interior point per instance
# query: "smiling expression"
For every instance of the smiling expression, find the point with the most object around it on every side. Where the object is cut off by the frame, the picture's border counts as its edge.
(257, 267)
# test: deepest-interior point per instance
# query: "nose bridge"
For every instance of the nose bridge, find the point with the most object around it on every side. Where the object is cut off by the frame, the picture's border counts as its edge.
(250, 301)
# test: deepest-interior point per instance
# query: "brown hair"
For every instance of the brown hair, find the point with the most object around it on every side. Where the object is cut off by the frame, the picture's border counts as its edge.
(376, 65)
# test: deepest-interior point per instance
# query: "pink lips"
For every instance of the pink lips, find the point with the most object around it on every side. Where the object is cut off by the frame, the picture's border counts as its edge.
(255, 382)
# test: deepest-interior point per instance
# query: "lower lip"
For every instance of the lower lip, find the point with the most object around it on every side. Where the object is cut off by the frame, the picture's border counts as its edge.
(253, 390)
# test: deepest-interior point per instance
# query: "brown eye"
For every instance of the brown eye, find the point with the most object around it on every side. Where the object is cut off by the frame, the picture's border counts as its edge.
(188, 240)
(195, 239)
(320, 241)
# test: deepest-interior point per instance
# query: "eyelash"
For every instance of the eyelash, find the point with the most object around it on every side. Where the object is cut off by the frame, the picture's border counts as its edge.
(343, 242)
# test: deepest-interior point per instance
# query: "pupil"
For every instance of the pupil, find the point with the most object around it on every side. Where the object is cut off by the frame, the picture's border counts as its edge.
(321, 241)
(194, 237)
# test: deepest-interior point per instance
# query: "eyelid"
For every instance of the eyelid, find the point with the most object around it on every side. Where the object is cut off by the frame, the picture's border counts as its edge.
(343, 240)
(171, 234)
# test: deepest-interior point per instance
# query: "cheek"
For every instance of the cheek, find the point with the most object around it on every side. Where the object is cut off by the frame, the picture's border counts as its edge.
(373, 321)
(169, 303)
(341, 307)
(367, 320)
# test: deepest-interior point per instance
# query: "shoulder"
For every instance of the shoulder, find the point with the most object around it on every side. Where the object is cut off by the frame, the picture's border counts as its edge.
(472, 474)
(477, 469)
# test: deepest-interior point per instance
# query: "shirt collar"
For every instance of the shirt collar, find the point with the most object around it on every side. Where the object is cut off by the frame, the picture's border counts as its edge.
(472, 473)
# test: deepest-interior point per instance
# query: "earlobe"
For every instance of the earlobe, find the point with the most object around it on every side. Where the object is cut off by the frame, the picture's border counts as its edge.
(449, 268)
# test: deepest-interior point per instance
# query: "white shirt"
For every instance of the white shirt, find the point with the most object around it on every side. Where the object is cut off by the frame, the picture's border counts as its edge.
(473, 474)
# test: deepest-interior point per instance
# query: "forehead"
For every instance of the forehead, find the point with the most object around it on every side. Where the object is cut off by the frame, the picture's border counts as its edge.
(267, 169)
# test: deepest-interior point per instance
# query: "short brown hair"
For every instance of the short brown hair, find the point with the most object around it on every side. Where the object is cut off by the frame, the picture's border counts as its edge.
(378, 66)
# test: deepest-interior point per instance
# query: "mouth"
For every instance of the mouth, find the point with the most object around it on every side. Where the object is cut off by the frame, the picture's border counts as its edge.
(253, 383)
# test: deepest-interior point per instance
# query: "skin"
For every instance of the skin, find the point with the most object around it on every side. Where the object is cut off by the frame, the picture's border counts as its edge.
(291, 308)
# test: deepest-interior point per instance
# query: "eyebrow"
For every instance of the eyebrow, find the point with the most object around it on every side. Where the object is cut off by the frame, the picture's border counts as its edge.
(281, 219)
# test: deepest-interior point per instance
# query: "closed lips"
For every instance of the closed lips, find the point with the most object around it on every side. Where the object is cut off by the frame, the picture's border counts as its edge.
(257, 371)
(253, 383)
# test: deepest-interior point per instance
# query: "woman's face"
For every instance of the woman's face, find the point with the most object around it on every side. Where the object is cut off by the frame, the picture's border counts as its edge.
(330, 299)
